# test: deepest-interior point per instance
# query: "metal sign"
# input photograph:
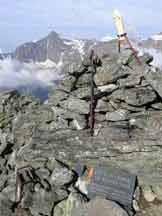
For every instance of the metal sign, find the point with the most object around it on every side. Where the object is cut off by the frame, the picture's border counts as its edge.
(111, 183)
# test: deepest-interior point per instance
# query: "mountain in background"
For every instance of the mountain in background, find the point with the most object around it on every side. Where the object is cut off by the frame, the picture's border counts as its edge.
(43, 62)
(53, 49)
(59, 50)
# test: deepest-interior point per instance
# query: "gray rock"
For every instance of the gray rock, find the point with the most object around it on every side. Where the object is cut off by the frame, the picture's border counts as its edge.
(94, 207)
(66, 207)
(146, 58)
(157, 189)
(157, 106)
(102, 106)
(43, 172)
(131, 108)
(154, 210)
(135, 96)
(5, 206)
(56, 96)
(61, 176)
(99, 117)
(79, 123)
(84, 80)
(154, 78)
(75, 69)
(60, 123)
(75, 105)
(126, 57)
(113, 105)
(98, 205)
(131, 81)
(42, 202)
(118, 115)
(140, 96)
(109, 74)
(66, 119)
(108, 88)
(67, 84)
(84, 93)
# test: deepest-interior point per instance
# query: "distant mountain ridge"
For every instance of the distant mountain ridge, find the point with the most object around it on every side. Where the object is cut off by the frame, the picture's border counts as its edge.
(53, 48)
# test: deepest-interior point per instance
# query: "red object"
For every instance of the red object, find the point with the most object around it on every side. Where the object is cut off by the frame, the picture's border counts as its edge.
(130, 46)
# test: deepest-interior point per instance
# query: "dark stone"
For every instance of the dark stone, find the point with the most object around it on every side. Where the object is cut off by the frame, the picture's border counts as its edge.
(114, 184)
(154, 78)
(139, 96)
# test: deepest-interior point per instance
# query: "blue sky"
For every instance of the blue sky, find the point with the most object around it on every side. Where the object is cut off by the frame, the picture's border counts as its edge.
(26, 20)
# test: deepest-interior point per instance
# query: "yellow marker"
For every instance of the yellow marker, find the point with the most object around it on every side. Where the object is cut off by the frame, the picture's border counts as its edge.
(118, 19)
(89, 174)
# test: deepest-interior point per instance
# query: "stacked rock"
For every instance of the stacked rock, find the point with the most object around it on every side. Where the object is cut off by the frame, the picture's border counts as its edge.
(47, 140)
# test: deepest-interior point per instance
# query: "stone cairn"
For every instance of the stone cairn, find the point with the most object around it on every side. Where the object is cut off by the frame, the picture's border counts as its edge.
(40, 143)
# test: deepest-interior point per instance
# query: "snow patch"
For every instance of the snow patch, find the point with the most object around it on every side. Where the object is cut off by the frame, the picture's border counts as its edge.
(68, 43)
(49, 64)
(156, 37)
(77, 45)
(107, 38)
(157, 55)
(34, 41)
(46, 64)
(60, 63)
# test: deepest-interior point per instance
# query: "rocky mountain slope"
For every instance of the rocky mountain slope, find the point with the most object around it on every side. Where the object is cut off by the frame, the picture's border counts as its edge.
(57, 49)
(62, 50)
(43, 142)
(52, 47)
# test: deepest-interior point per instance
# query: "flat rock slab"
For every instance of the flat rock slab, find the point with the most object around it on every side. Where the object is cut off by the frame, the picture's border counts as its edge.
(76, 105)
(118, 115)
(112, 183)
(96, 207)
(134, 96)
(154, 78)
(108, 74)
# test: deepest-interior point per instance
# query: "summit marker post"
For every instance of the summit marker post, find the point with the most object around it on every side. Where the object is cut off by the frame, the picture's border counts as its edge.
(122, 35)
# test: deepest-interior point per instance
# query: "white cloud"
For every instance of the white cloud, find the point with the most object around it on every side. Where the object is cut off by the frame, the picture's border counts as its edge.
(15, 74)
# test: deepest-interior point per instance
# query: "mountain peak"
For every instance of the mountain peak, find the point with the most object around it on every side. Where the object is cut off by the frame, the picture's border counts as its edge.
(53, 34)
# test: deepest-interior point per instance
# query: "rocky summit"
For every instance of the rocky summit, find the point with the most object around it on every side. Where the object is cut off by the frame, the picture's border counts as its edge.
(40, 143)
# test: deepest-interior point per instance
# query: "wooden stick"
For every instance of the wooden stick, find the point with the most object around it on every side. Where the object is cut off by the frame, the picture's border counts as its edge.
(18, 195)
(93, 71)
(119, 45)
(133, 50)
(130, 46)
